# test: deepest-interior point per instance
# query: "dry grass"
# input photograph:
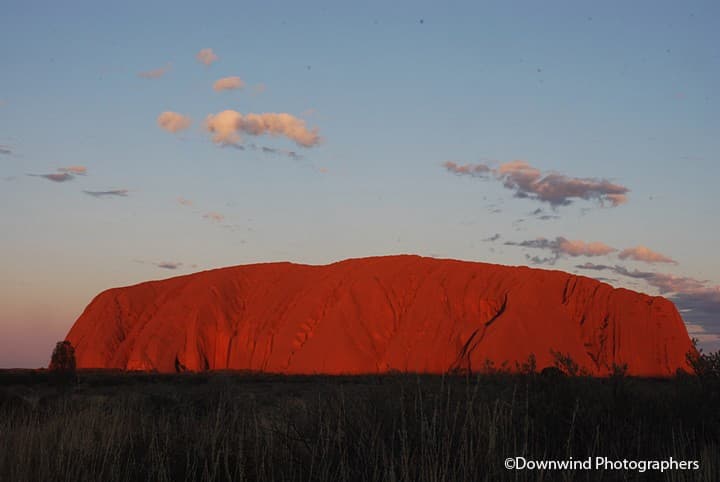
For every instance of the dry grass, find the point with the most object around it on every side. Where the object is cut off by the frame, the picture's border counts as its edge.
(226, 426)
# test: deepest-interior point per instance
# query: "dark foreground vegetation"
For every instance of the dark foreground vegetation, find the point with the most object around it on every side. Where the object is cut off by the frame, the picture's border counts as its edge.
(242, 426)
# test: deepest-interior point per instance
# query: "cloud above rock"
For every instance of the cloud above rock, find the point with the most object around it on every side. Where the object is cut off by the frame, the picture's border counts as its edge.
(173, 122)
(63, 174)
(478, 170)
(76, 170)
(206, 56)
(645, 254)
(553, 188)
(155, 73)
(214, 216)
(108, 193)
(560, 247)
(172, 265)
(228, 127)
(228, 83)
(55, 177)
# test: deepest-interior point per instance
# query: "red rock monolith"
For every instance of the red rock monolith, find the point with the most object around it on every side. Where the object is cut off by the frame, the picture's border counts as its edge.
(380, 314)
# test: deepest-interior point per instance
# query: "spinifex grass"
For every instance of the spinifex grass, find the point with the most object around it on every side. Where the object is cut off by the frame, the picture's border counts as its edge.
(226, 426)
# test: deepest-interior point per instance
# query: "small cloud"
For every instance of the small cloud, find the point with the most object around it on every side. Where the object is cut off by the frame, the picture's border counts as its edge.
(239, 147)
(163, 264)
(542, 215)
(213, 216)
(540, 260)
(155, 73)
(492, 238)
(227, 126)
(5, 150)
(665, 283)
(258, 89)
(184, 202)
(109, 193)
(284, 152)
(560, 247)
(228, 83)
(206, 56)
(76, 170)
(593, 266)
(173, 122)
(478, 170)
(581, 248)
(168, 265)
(63, 174)
(55, 177)
(556, 189)
(323, 170)
(642, 253)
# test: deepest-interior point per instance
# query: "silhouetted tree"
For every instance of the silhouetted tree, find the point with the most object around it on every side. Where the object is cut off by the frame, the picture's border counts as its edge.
(705, 365)
(62, 363)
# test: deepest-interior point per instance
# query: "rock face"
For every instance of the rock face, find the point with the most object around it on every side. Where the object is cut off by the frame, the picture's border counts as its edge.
(371, 315)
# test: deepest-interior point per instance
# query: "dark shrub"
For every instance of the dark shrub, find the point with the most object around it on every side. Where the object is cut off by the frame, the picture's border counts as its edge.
(62, 364)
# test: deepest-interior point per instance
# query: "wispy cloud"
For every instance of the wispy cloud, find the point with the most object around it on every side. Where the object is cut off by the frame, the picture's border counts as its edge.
(206, 56)
(214, 216)
(664, 282)
(258, 89)
(171, 265)
(642, 253)
(228, 125)
(173, 122)
(228, 83)
(284, 152)
(560, 246)
(5, 150)
(168, 265)
(542, 215)
(184, 202)
(593, 266)
(63, 174)
(553, 188)
(264, 149)
(109, 193)
(492, 238)
(75, 170)
(155, 73)
(478, 170)
(55, 177)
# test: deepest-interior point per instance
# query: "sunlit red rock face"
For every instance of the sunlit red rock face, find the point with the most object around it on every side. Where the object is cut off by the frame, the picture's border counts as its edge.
(371, 315)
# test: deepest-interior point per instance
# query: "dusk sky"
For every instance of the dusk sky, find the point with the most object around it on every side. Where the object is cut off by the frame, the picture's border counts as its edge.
(147, 140)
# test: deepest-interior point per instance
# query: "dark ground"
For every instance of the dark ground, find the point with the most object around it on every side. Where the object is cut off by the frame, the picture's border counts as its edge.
(244, 426)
